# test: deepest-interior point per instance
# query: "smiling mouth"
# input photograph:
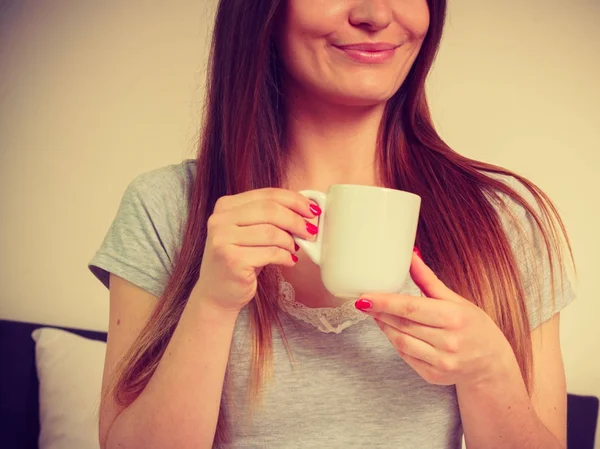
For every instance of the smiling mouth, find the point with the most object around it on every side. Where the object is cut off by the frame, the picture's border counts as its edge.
(369, 53)
(369, 46)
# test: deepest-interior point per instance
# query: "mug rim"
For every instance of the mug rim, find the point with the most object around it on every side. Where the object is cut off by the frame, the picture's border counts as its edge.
(384, 189)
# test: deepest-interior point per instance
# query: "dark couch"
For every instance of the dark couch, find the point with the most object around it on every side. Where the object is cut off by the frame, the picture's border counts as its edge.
(19, 419)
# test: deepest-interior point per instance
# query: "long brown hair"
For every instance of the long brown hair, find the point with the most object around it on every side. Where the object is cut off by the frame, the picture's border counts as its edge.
(459, 233)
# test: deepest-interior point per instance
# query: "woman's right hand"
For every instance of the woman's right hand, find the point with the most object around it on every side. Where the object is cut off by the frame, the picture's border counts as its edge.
(245, 233)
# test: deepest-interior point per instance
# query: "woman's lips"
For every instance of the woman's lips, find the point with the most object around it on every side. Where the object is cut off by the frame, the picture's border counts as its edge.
(369, 53)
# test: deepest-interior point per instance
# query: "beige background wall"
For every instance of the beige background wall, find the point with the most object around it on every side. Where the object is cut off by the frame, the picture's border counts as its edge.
(92, 94)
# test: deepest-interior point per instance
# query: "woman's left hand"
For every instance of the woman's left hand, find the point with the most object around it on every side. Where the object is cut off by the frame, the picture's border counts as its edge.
(445, 338)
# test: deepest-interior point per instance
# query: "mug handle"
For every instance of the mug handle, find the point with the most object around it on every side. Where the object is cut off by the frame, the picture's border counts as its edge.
(313, 249)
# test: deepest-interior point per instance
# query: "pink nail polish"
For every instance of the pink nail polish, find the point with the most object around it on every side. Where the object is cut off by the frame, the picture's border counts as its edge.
(294, 258)
(311, 228)
(416, 250)
(296, 247)
(315, 209)
(363, 304)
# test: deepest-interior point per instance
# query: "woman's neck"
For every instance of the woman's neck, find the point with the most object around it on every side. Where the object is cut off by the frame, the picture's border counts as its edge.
(331, 144)
(328, 144)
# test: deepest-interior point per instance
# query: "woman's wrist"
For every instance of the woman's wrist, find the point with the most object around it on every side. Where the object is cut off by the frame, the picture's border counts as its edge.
(503, 371)
(209, 310)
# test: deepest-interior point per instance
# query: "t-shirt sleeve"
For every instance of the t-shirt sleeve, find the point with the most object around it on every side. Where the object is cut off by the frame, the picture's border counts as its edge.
(142, 240)
(528, 245)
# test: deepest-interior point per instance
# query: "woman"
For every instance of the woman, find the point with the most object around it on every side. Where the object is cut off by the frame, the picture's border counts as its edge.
(202, 266)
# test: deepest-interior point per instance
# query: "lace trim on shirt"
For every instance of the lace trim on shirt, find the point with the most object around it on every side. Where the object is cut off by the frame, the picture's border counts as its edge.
(325, 319)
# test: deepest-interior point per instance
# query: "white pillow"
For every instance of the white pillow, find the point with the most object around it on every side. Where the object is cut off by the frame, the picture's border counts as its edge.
(69, 369)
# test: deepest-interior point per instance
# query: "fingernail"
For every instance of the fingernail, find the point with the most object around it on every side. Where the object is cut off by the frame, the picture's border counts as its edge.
(311, 228)
(315, 209)
(294, 258)
(296, 247)
(416, 250)
(363, 304)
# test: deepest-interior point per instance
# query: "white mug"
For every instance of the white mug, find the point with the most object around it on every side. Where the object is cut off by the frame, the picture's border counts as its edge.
(365, 240)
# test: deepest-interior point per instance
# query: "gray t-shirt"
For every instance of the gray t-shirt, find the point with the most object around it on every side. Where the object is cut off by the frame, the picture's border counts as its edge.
(347, 390)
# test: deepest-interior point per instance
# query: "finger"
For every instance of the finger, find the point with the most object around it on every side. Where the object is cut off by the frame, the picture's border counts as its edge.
(409, 345)
(427, 280)
(263, 235)
(269, 212)
(288, 198)
(261, 256)
(423, 369)
(432, 335)
(428, 311)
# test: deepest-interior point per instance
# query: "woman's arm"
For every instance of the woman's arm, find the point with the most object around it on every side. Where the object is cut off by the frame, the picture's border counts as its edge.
(448, 340)
(500, 414)
(179, 407)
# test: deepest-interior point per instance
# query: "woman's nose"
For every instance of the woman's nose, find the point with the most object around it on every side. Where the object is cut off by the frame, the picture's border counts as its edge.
(372, 15)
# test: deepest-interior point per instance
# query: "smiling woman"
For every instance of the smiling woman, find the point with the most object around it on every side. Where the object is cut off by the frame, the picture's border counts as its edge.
(334, 61)
(202, 265)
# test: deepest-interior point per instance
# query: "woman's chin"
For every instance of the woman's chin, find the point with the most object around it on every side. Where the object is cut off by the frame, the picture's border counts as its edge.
(357, 95)
(363, 99)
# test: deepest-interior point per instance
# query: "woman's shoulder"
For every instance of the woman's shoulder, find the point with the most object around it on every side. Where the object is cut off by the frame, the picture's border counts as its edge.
(172, 182)
(538, 244)
(515, 202)
(159, 198)
(515, 185)
(144, 237)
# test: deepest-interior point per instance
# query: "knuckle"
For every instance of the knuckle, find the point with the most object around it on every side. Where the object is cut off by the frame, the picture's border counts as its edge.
(410, 308)
(272, 193)
(222, 202)
(217, 236)
(230, 258)
(270, 233)
(274, 252)
(401, 343)
(269, 210)
(218, 243)
(220, 248)
(452, 344)
(212, 221)
(433, 376)
(456, 321)
(448, 364)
